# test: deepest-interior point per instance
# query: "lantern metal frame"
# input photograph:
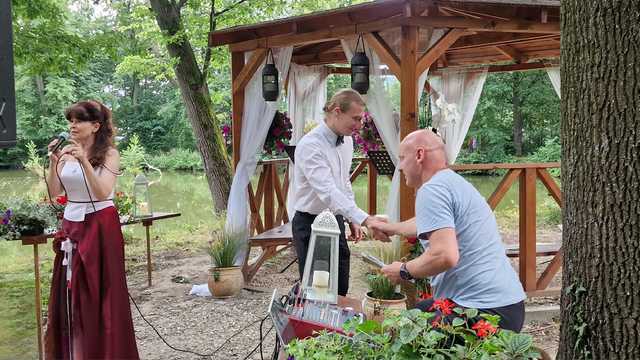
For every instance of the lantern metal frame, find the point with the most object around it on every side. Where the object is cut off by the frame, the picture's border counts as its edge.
(270, 70)
(325, 225)
(364, 61)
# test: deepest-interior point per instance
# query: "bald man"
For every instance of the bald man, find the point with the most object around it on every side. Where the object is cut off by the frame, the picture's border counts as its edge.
(464, 255)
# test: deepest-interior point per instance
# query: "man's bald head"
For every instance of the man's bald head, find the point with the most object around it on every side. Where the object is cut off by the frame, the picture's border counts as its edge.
(421, 155)
(426, 139)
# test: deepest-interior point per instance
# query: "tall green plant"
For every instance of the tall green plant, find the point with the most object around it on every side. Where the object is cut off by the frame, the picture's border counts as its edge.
(381, 288)
(224, 248)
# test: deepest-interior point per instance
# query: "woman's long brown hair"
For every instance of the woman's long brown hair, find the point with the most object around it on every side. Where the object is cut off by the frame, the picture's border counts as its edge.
(95, 111)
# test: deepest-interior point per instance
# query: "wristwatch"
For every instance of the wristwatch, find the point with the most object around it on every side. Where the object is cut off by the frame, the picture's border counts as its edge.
(404, 273)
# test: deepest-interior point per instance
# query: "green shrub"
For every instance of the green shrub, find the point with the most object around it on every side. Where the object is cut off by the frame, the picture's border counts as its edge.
(178, 159)
(551, 151)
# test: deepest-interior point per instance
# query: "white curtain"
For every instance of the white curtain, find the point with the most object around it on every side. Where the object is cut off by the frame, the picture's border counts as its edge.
(256, 121)
(554, 76)
(307, 95)
(380, 106)
(454, 98)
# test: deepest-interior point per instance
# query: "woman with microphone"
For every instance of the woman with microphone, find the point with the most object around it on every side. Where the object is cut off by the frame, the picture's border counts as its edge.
(89, 312)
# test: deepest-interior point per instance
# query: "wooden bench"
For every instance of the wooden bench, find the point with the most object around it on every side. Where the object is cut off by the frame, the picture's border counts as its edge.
(542, 249)
(271, 242)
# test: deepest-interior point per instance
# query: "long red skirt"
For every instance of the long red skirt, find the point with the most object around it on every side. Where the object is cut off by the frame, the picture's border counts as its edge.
(100, 317)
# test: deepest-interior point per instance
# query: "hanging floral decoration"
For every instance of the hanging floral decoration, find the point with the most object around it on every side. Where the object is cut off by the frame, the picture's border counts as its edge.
(367, 138)
(279, 134)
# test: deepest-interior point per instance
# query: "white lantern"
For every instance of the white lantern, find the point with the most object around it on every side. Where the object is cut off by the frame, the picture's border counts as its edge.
(141, 197)
(320, 278)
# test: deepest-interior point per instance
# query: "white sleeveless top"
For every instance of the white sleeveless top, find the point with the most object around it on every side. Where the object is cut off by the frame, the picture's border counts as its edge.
(78, 201)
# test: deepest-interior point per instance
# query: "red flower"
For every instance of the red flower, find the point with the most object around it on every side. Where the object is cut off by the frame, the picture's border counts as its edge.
(412, 240)
(62, 200)
(483, 328)
(445, 306)
(435, 324)
(425, 295)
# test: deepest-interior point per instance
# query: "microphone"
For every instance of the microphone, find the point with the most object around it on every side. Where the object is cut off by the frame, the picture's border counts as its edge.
(62, 137)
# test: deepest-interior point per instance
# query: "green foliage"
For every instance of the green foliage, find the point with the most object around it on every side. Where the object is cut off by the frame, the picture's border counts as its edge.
(551, 151)
(224, 247)
(414, 334)
(177, 159)
(381, 288)
(25, 216)
(35, 162)
(133, 157)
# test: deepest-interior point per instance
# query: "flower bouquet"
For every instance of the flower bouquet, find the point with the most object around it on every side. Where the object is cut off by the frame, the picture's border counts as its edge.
(279, 134)
(26, 217)
(367, 138)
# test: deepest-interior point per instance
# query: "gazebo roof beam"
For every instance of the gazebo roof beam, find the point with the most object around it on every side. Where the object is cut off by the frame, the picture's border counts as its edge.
(385, 52)
(484, 40)
(472, 14)
(512, 26)
(438, 49)
(514, 54)
(330, 33)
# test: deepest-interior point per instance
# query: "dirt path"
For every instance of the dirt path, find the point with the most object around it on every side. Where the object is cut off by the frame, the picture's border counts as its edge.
(204, 324)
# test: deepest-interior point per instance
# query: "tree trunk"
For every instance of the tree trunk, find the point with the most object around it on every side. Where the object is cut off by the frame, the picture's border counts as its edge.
(600, 179)
(516, 98)
(195, 95)
(38, 80)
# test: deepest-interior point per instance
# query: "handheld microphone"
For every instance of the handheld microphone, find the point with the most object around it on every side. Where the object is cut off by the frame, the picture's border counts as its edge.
(62, 137)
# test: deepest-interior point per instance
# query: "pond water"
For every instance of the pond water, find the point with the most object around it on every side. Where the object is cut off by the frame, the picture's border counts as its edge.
(188, 194)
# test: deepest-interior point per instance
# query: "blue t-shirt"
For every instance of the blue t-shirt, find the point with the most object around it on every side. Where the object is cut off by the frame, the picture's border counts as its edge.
(483, 277)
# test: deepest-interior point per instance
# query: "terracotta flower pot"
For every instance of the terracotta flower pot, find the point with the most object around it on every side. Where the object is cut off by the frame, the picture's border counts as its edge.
(225, 282)
(374, 309)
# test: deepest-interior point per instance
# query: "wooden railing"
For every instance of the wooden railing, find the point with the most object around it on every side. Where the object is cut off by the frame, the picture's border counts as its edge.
(526, 174)
(268, 205)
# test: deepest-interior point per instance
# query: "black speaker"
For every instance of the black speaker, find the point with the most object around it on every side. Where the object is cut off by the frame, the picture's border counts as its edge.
(7, 86)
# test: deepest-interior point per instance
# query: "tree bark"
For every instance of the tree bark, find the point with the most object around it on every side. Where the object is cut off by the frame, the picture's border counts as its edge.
(38, 80)
(516, 98)
(195, 95)
(600, 179)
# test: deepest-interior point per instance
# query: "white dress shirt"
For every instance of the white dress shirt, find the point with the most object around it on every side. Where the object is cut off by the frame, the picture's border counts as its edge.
(321, 177)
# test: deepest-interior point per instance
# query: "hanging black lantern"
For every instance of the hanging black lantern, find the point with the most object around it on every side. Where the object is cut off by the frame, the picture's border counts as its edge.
(360, 69)
(270, 79)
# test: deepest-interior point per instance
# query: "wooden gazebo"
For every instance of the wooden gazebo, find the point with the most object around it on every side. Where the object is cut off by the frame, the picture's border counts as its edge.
(507, 35)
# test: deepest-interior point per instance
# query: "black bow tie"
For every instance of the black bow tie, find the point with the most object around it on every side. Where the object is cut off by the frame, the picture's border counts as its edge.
(340, 140)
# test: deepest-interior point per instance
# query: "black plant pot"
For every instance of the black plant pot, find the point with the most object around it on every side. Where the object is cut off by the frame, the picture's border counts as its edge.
(32, 230)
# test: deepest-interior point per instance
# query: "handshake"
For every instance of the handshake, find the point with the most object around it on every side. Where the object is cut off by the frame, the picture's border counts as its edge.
(379, 228)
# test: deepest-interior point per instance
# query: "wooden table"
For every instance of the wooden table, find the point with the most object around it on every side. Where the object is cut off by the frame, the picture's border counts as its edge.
(42, 239)
(35, 241)
(147, 222)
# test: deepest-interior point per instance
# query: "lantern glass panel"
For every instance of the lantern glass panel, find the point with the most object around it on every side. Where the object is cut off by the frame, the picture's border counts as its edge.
(322, 278)
(141, 195)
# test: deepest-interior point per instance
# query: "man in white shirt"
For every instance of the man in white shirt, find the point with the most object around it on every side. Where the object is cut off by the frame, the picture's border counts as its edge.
(321, 180)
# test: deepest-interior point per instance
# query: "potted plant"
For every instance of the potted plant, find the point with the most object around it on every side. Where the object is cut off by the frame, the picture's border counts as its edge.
(25, 217)
(225, 278)
(382, 298)
(413, 334)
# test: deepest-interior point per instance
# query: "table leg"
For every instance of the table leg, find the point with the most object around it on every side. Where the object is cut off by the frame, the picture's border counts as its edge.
(148, 256)
(36, 265)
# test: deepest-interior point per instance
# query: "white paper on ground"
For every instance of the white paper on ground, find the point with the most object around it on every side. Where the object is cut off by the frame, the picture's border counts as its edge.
(200, 290)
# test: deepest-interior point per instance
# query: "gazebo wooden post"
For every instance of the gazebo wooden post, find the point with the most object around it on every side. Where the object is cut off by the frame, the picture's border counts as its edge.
(237, 100)
(527, 214)
(408, 106)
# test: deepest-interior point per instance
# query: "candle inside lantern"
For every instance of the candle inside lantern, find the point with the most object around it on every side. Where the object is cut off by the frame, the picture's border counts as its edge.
(320, 279)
